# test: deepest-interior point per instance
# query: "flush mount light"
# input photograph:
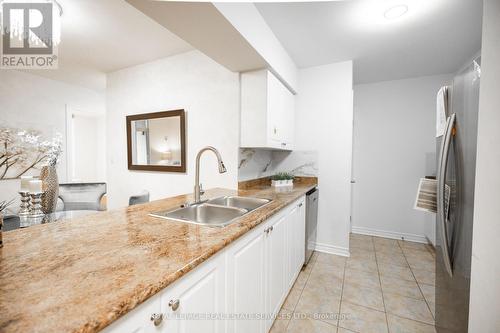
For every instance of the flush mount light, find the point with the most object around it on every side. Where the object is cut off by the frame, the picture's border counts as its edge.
(395, 12)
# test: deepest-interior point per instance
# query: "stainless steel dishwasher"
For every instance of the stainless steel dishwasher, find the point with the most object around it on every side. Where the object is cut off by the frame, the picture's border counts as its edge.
(311, 222)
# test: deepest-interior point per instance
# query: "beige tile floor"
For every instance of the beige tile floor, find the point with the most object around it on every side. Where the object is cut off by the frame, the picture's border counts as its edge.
(385, 285)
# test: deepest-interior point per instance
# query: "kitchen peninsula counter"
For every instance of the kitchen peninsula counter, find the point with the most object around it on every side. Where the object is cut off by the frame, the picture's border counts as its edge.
(80, 275)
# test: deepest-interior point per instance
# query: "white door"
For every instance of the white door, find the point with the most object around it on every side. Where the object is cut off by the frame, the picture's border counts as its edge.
(246, 281)
(85, 146)
(192, 305)
(276, 267)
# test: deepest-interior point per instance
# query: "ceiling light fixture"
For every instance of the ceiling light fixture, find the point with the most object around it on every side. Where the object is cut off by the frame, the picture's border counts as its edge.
(395, 12)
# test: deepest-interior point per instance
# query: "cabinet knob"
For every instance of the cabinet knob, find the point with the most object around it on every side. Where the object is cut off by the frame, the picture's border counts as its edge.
(300, 204)
(267, 230)
(275, 130)
(174, 304)
(157, 318)
(271, 228)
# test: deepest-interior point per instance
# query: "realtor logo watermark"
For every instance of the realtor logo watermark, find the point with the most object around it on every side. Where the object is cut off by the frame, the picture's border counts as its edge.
(30, 34)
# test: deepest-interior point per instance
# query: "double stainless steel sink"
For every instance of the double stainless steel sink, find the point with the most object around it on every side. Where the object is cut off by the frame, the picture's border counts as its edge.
(217, 212)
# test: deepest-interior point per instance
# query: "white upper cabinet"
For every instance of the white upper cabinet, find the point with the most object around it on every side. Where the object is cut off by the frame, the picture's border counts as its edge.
(267, 112)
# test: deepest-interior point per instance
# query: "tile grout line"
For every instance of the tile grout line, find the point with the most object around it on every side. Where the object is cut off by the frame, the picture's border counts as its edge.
(341, 295)
(364, 306)
(383, 299)
(420, 289)
(381, 289)
(312, 263)
(341, 292)
(399, 316)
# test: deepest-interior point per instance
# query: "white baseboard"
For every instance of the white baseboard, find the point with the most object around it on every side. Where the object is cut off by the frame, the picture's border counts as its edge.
(389, 234)
(326, 248)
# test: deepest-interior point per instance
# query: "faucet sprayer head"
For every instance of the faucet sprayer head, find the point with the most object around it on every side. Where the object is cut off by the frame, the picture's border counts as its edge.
(222, 167)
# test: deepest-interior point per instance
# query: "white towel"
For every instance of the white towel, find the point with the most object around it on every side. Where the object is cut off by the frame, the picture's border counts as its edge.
(441, 104)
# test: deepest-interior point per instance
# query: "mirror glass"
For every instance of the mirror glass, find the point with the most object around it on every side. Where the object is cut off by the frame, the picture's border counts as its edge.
(156, 141)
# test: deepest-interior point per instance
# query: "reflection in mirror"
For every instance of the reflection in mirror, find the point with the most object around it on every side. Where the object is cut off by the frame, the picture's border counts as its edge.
(156, 141)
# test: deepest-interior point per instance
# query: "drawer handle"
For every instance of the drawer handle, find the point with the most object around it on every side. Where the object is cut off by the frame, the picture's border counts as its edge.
(157, 318)
(174, 304)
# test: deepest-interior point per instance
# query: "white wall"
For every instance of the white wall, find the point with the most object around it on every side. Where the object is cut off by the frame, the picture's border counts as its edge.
(394, 146)
(210, 95)
(31, 101)
(246, 18)
(485, 287)
(324, 124)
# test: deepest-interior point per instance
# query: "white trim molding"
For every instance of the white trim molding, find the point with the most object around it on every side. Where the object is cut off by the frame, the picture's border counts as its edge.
(331, 249)
(389, 234)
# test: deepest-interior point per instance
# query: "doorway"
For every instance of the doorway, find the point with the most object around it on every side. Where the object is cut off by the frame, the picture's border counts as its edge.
(85, 145)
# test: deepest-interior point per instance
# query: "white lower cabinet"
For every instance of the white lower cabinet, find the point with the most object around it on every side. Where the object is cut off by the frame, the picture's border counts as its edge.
(239, 290)
(277, 260)
(246, 283)
(292, 249)
(193, 303)
(139, 319)
(181, 307)
(297, 238)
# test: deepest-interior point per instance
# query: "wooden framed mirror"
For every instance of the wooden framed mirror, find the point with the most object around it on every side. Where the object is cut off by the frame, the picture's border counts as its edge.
(156, 141)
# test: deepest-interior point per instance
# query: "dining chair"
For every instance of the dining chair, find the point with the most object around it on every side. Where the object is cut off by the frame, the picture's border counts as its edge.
(82, 196)
(140, 198)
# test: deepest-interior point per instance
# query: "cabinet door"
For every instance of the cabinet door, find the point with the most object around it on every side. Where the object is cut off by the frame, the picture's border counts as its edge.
(288, 117)
(275, 109)
(291, 246)
(246, 282)
(139, 319)
(295, 240)
(300, 234)
(276, 267)
(193, 303)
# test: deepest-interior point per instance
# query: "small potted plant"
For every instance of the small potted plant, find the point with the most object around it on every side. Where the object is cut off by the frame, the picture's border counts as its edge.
(282, 179)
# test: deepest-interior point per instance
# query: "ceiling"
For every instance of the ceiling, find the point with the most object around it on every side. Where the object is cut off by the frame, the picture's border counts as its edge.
(99, 37)
(433, 37)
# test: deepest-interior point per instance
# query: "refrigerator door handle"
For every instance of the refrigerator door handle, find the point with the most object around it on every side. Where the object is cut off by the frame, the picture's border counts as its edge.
(443, 163)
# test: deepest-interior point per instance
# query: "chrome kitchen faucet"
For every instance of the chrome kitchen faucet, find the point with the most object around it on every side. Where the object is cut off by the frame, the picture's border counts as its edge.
(197, 186)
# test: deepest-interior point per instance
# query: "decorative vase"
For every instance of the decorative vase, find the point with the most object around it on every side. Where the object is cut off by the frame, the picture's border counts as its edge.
(50, 186)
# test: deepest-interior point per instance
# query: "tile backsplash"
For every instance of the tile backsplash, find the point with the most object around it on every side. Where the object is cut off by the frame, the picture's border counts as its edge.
(257, 163)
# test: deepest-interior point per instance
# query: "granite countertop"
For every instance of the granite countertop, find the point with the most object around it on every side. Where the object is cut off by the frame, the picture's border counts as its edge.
(80, 275)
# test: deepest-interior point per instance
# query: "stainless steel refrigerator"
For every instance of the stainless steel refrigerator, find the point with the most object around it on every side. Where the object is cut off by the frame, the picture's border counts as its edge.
(456, 152)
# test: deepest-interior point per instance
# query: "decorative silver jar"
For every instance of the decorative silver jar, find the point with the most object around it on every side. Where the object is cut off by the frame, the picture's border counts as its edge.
(50, 185)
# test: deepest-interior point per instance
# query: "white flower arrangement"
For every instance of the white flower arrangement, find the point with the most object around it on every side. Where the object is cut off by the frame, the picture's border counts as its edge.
(22, 150)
